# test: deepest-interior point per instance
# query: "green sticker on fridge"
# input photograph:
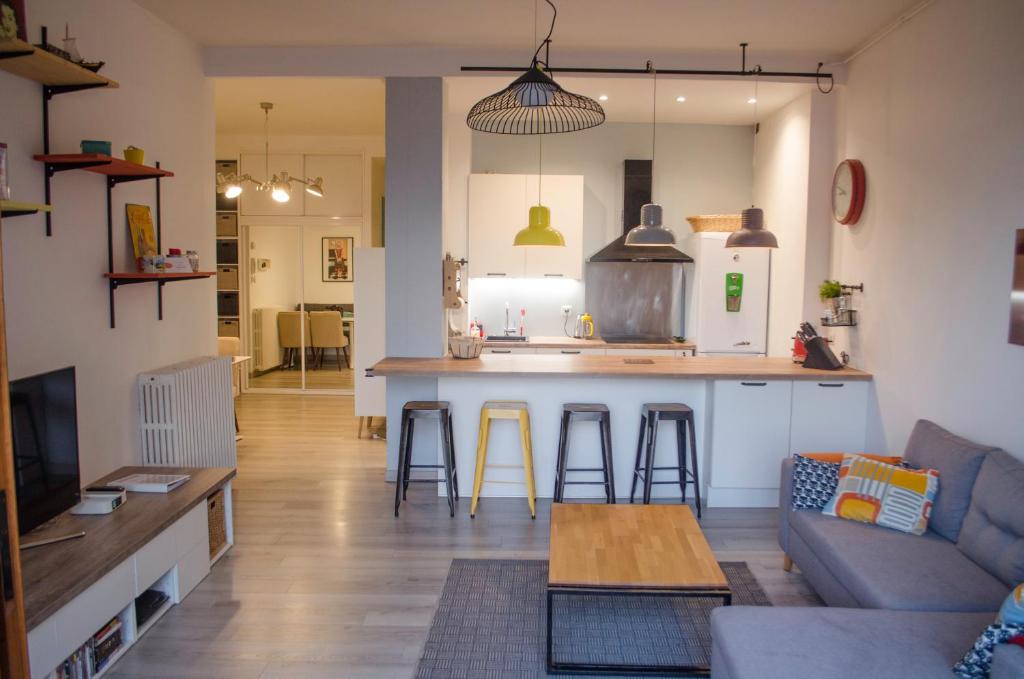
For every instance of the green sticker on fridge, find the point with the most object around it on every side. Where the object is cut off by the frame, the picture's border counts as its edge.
(733, 291)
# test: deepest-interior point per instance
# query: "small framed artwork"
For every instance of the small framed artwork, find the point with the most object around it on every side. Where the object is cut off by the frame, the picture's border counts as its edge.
(1017, 293)
(12, 20)
(337, 259)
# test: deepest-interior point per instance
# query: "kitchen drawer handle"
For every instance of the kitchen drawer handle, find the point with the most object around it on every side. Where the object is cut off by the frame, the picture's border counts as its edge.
(501, 351)
(833, 385)
(554, 275)
(570, 351)
(492, 273)
(754, 384)
(744, 343)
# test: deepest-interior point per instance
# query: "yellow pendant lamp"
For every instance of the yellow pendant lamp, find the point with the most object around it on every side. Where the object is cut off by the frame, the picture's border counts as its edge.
(539, 232)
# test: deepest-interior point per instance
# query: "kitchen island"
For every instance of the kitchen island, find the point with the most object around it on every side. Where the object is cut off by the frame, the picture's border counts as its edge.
(750, 414)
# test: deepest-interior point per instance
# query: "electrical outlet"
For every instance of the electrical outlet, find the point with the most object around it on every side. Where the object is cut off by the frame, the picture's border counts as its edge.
(566, 310)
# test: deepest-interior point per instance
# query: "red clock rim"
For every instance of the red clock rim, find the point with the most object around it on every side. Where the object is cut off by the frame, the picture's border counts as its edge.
(859, 183)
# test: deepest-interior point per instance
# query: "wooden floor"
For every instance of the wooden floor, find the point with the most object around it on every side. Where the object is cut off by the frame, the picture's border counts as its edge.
(327, 377)
(323, 581)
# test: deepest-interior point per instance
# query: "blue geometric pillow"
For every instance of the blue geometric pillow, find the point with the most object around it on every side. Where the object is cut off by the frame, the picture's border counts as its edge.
(977, 662)
(814, 482)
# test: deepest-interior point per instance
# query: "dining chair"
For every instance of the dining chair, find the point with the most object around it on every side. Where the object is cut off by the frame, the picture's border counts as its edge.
(290, 337)
(328, 333)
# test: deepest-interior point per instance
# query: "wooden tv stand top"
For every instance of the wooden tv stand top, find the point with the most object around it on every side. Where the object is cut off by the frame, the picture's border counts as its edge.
(53, 575)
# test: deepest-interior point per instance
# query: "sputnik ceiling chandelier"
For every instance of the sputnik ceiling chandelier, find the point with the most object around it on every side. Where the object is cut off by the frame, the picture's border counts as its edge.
(279, 185)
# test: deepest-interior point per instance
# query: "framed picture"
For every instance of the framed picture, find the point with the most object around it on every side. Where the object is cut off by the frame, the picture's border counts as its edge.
(140, 226)
(1017, 294)
(12, 20)
(337, 259)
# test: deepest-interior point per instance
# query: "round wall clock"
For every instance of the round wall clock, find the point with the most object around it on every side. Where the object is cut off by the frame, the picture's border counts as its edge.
(848, 188)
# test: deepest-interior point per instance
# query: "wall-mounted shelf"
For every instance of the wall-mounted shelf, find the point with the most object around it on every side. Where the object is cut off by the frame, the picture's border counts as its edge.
(132, 277)
(28, 61)
(117, 169)
(14, 208)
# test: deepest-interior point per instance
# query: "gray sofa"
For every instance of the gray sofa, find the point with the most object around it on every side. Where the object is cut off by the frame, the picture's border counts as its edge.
(932, 594)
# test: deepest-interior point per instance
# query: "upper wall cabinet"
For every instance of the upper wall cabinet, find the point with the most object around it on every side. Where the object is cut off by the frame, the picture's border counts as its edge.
(343, 185)
(499, 206)
(255, 203)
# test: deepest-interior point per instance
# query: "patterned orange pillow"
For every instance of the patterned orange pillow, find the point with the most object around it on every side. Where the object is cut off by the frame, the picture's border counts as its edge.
(837, 458)
(884, 494)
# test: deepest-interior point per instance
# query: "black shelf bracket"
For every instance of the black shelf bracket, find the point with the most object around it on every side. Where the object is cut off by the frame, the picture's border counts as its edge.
(17, 213)
(15, 55)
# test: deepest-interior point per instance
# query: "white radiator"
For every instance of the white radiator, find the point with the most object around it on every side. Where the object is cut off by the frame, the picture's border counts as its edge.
(187, 414)
(266, 348)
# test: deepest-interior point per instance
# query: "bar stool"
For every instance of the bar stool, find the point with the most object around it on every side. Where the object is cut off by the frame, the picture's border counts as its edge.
(418, 410)
(504, 410)
(651, 415)
(585, 412)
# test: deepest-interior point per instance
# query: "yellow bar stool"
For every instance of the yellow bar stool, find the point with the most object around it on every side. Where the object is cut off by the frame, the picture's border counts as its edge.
(504, 410)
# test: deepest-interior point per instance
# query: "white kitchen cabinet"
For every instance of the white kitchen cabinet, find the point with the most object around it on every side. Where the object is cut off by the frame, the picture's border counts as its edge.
(495, 214)
(508, 350)
(499, 207)
(572, 351)
(253, 203)
(829, 416)
(750, 421)
(563, 195)
(343, 185)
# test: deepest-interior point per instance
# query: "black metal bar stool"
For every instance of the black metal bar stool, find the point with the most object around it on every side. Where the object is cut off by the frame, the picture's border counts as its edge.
(651, 415)
(592, 412)
(418, 410)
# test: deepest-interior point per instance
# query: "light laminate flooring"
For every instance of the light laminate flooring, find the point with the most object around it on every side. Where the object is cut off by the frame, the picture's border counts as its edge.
(323, 581)
(327, 377)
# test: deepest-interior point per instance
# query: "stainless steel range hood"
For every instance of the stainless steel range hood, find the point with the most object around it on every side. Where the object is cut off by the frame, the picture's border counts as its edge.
(618, 251)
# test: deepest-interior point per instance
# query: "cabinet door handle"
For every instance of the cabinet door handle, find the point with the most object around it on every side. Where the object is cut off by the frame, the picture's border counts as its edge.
(5, 550)
(833, 385)
(501, 351)
(494, 273)
(744, 343)
(554, 275)
(754, 384)
(570, 351)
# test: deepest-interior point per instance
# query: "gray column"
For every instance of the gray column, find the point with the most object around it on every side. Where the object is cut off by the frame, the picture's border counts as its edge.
(414, 137)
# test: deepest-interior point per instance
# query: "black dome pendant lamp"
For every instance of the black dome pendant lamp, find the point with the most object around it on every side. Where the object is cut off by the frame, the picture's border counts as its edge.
(534, 103)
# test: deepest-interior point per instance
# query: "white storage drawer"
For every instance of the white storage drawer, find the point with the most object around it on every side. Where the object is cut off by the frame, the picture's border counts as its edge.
(84, 615)
(193, 567)
(43, 649)
(829, 416)
(568, 351)
(664, 353)
(192, 529)
(155, 558)
(750, 432)
(508, 350)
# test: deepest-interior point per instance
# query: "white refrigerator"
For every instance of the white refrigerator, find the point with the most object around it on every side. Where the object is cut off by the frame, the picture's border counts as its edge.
(724, 326)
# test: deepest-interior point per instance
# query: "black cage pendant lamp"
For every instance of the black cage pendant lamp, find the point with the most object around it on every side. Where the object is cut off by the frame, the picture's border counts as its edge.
(752, 233)
(534, 103)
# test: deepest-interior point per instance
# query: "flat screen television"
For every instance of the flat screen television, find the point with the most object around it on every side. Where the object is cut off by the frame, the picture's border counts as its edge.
(44, 429)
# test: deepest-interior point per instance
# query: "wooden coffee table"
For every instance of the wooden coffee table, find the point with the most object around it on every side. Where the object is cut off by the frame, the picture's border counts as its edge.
(629, 550)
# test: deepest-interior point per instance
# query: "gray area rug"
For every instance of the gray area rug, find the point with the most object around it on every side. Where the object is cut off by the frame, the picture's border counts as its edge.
(491, 623)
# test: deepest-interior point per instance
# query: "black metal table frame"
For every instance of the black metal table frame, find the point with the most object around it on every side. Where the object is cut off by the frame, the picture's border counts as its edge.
(641, 670)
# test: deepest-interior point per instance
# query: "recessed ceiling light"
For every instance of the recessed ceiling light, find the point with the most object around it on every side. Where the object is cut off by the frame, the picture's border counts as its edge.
(603, 97)
(680, 99)
(752, 100)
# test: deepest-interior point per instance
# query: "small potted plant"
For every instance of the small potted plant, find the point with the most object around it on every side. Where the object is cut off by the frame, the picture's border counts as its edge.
(830, 293)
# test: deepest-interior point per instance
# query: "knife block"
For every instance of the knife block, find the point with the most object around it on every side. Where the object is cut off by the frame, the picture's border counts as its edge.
(820, 356)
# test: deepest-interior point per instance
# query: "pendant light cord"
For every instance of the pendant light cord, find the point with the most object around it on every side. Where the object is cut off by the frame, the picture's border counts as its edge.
(266, 144)
(756, 123)
(540, 137)
(547, 40)
(654, 122)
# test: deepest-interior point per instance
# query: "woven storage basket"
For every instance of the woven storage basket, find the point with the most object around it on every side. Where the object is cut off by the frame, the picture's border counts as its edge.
(720, 223)
(466, 347)
(216, 522)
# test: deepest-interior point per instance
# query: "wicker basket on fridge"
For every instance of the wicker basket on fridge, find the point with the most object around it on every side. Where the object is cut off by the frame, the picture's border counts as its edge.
(216, 522)
(719, 223)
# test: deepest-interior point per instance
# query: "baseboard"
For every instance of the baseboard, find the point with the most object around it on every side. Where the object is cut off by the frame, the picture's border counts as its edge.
(743, 497)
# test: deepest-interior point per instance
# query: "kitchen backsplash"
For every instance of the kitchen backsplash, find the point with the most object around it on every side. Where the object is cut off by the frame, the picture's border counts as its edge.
(542, 298)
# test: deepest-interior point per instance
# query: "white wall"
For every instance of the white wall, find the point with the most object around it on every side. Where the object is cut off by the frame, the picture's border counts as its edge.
(57, 313)
(934, 112)
(699, 169)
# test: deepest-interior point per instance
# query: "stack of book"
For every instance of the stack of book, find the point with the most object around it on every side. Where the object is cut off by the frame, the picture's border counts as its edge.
(95, 654)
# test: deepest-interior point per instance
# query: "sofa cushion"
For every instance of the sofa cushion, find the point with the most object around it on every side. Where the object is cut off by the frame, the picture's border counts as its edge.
(753, 642)
(1008, 662)
(993, 530)
(886, 569)
(957, 461)
(884, 495)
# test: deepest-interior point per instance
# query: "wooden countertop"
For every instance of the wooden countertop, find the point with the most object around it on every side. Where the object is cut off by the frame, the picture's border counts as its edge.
(540, 342)
(517, 365)
(53, 575)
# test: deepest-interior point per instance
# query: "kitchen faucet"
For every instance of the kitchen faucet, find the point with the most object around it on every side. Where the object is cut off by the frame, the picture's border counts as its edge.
(509, 329)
